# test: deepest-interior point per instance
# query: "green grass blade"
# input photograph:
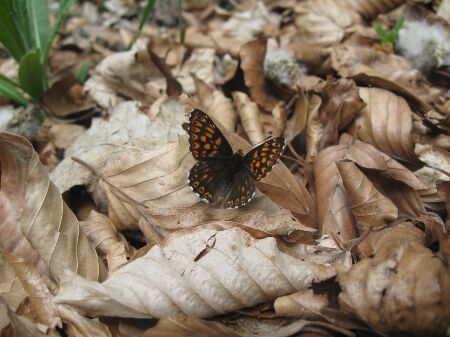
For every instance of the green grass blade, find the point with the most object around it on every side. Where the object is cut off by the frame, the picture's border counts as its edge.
(64, 6)
(396, 29)
(37, 11)
(8, 88)
(83, 72)
(148, 9)
(32, 74)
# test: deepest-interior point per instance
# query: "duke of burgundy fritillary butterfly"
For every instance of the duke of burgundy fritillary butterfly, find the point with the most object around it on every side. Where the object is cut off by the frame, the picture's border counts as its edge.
(221, 177)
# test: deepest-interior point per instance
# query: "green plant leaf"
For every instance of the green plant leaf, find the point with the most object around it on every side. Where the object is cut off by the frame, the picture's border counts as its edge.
(396, 29)
(32, 74)
(64, 6)
(380, 31)
(12, 34)
(8, 88)
(83, 72)
(148, 9)
(37, 11)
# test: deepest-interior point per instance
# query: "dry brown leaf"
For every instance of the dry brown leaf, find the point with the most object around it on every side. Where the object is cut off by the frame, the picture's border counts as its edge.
(443, 188)
(313, 128)
(386, 123)
(202, 273)
(187, 327)
(201, 63)
(127, 74)
(173, 87)
(369, 9)
(126, 128)
(80, 326)
(252, 59)
(297, 123)
(66, 97)
(23, 327)
(40, 214)
(370, 208)
(41, 300)
(323, 22)
(215, 102)
(303, 304)
(249, 115)
(403, 290)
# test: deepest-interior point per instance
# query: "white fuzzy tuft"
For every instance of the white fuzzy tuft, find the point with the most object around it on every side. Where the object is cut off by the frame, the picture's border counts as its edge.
(425, 45)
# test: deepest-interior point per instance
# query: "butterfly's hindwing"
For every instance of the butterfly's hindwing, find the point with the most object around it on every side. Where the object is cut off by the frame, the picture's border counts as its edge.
(207, 178)
(205, 138)
(242, 190)
(260, 160)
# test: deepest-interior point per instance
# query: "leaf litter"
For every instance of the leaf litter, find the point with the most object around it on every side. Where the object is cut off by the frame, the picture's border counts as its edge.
(347, 235)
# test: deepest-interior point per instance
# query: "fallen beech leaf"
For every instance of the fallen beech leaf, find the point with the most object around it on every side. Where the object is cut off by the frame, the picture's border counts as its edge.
(393, 293)
(215, 102)
(443, 188)
(81, 326)
(126, 128)
(101, 232)
(201, 63)
(323, 22)
(386, 123)
(127, 73)
(370, 9)
(313, 128)
(252, 59)
(370, 208)
(237, 271)
(67, 97)
(297, 123)
(43, 219)
(300, 304)
(187, 327)
(23, 327)
(41, 300)
(249, 115)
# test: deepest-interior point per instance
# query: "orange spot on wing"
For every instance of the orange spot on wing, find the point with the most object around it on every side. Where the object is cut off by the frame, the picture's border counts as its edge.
(265, 149)
(218, 141)
(207, 146)
(209, 129)
(203, 139)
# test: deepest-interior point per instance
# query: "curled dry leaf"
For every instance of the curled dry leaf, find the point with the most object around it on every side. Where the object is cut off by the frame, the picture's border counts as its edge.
(81, 326)
(403, 290)
(370, 208)
(36, 223)
(386, 123)
(252, 58)
(215, 102)
(201, 63)
(369, 9)
(200, 274)
(332, 203)
(23, 327)
(101, 232)
(303, 303)
(296, 124)
(127, 73)
(249, 115)
(41, 300)
(126, 128)
(323, 22)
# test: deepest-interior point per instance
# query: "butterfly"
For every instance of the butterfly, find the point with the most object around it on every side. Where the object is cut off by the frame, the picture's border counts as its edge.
(222, 177)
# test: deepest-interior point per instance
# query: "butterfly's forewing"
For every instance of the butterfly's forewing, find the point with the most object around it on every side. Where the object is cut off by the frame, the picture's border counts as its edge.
(260, 160)
(205, 139)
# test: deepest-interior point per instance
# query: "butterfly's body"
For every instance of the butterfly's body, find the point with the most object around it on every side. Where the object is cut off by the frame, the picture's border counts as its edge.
(221, 177)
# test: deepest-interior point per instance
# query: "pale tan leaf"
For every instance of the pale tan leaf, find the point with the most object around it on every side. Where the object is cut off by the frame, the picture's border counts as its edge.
(41, 299)
(323, 22)
(369, 9)
(23, 327)
(101, 232)
(403, 290)
(81, 326)
(297, 123)
(249, 115)
(201, 63)
(128, 74)
(370, 208)
(126, 128)
(46, 222)
(200, 274)
(252, 58)
(300, 304)
(187, 327)
(217, 105)
(386, 123)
